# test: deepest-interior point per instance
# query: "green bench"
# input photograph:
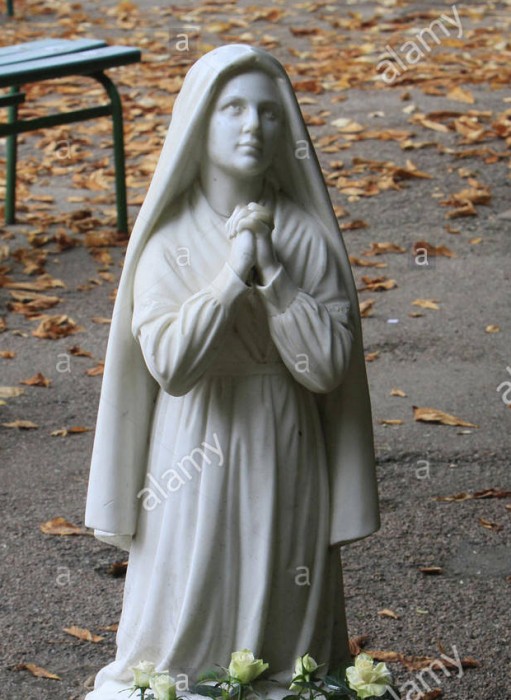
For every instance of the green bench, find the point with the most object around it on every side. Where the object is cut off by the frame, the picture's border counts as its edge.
(60, 58)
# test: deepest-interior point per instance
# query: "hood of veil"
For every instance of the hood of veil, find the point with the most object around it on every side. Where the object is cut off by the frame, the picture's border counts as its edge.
(128, 391)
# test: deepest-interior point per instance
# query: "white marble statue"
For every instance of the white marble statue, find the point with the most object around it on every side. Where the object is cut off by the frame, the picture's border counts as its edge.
(234, 452)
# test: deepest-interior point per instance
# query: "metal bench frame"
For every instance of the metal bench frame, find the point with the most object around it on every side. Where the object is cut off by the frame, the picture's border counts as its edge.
(15, 126)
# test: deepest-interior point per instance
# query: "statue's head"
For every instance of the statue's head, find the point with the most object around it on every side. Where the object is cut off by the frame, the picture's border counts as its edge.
(245, 123)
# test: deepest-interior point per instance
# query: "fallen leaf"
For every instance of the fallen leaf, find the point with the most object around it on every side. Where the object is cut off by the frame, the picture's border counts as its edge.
(372, 356)
(420, 246)
(78, 352)
(431, 570)
(75, 429)
(464, 496)
(460, 94)
(84, 634)
(97, 370)
(489, 525)
(433, 415)
(38, 671)
(21, 425)
(377, 284)
(7, 354)
(391, 421)
(358, 262)
(397, 392)
(386, 612)
(54, 327)
(381, 248)
(61, 526)
(426, 303)
(366, 308)
(10, 392)
(492, 329)
(353, 225)
(118, 569)
(102, 320)
(37, 380)
(357, 643)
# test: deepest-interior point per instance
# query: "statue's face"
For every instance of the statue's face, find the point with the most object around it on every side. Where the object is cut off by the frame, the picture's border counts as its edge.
(245, 125)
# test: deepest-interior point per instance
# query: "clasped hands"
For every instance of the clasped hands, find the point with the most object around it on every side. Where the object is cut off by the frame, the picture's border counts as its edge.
(250, 227)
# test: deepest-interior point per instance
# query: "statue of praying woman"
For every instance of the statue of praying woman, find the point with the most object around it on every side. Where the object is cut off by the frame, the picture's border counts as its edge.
(234, 451)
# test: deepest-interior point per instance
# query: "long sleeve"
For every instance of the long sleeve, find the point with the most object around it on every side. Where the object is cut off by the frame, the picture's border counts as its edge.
(310, 328)
(180, 336)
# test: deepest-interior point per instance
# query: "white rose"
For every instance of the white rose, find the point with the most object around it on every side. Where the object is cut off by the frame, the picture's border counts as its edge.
(366, 679)
(304, 667)
(244, 667)
(163, 686)
(142, 674)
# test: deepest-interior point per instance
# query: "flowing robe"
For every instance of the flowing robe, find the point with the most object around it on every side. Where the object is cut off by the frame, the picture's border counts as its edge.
(232, 543)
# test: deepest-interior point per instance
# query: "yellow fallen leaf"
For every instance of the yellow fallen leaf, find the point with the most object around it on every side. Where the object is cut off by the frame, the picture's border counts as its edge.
(492, 329)
(397, 392)
(61, 526)
(366, 308)
(426, 303)
(38, 671)
(84, 634)
(386, 612)
(21, 425)
(433, 415)
(460, 94)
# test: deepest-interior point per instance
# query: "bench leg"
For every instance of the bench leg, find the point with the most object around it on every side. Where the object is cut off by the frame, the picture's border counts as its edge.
(10, 8)
(12, 157)
(118, 136)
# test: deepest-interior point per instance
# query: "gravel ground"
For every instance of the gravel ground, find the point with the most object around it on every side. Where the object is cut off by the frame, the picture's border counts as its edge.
(442, 358)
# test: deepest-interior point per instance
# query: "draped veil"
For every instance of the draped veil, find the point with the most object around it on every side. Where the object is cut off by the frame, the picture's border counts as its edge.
(128, 392)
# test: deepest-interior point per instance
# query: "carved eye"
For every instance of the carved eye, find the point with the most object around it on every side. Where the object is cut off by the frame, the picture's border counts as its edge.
(234, 108)
(270, 113)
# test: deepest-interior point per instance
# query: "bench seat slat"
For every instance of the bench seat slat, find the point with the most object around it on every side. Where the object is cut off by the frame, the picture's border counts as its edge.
(36, 50)
(81, 63)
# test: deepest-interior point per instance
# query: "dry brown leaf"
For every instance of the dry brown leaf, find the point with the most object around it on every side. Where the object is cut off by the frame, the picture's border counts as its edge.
(492, 329)
(377, 284)
(372, 356)
(21, 425)
(96, 371)
(347, 126)
(433, 415)
(357, 643)
(37, 380)
(489, 525)
(432, 250)
(54, 327)
(386, 612)
(62, 527)
(464, 496)
(84, 634)
(460, 94)
(73, 430)
(118, 569)
(353, 225)
(102, 320)
(397, 392)
(466, 209)
(391, 421)
(366, 308)
(7, 354)
(431, 570)
(38, 671)
(381, 248)
(78, 352)
(426, 303)
(358, 262)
